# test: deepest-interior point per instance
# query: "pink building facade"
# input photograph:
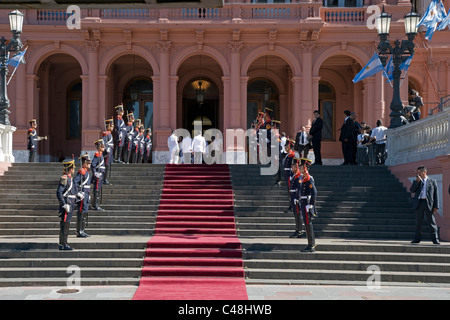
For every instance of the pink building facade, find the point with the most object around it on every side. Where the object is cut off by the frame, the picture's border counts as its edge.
(306, 53)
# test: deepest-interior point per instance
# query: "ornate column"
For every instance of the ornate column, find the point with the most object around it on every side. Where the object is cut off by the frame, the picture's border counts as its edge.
(164, 99)
(95, 113)
(295, 120)
(244, 83)
(307, 105)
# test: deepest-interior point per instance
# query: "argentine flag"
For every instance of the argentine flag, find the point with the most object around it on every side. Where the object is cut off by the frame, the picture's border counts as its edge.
(445, 22)
(372, 67)
(15, 61)
(435, 13)
(388, 70)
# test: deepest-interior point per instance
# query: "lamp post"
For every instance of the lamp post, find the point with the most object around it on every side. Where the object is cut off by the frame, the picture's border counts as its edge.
(14, 46)
(400, 53)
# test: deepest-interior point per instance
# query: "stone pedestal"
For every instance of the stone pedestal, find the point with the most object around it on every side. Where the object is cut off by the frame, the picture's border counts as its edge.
(6, 138)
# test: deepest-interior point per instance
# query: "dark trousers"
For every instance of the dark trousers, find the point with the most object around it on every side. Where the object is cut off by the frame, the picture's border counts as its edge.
(31, 156)
(317, 145)
(421, 212)
(380, 150)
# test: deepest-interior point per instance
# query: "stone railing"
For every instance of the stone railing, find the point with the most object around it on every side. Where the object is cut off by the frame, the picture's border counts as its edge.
(285, 12)
(424, 139)
(343, 15)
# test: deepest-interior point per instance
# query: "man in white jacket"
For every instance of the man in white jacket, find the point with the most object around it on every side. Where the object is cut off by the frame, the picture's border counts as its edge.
(198, 147)
(174, 149)
(186, 147)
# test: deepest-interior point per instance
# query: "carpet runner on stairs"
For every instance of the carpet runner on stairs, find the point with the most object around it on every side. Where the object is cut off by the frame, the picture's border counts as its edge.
(195, 253)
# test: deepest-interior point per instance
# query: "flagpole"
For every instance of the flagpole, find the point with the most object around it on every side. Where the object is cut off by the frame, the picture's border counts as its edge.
(12, 74)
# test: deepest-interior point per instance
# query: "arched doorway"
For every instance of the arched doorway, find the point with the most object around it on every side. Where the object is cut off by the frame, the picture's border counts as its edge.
(261, 93)
(59, 108)
(200, 104)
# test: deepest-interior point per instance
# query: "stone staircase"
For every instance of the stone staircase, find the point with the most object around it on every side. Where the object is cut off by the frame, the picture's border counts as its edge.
(114, 253)
(352, 202)
(365, 223)
(365, 219)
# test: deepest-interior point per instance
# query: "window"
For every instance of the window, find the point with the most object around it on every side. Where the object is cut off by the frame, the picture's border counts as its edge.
(74, 111)
(271, 1)
(139, 100)
(343, 3)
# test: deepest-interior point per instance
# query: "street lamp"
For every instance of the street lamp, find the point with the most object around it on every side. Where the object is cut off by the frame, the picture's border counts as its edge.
(14, 46)
(400, 53)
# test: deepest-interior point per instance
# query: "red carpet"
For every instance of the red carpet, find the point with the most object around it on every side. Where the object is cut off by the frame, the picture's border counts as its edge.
(194, 254)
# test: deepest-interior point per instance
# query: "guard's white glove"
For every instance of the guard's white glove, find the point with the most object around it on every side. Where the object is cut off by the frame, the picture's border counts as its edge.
(309, 207)
(66, 207)
(108, 150)
(98, 175)
(80, 195)
(295, 201)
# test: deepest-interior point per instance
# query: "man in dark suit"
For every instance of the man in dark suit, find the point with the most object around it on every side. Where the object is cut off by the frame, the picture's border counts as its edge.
(316, 133)
(426, 203)
(347, 137)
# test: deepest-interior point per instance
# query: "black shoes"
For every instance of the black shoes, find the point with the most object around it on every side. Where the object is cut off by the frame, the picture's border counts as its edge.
(435, 241)
(296, 234)
(65, 247)
(82, 234)
(309, 249)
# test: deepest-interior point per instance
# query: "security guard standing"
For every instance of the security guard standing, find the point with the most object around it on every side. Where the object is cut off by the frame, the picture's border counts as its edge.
(148, 145)
(98, 170)
(120, 131)
(83, 182)
(66, 194)
(108, 153)
(287, 163)
(33, 139)
(295, 183)
(129, 129)
(307, 198)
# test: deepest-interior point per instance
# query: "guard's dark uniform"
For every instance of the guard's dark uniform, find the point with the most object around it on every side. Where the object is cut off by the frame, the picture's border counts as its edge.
(147, 145)
(136, 138)
(108, 153)
(287, 162)
(33, 139)
(129, 136)
(66, 194)
(295, 184)
(83, 182)
(120, 132)
(307, 197)
(98, 170)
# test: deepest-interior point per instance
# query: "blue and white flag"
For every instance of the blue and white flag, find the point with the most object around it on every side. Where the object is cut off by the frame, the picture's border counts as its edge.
(435, 13)
(372, 67)
(17, 59)
(388, 70)
(15, 62)
(405, 65)
(445, 22)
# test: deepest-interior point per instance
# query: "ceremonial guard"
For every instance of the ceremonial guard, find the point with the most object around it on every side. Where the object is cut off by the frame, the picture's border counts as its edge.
(83, 182)
(33, 139)
(141, 139)
(121, 131)
(307, 198)
(108, 153)
(136, 138)
(295, 182)
(98, 170)
(287, 163)
(148, 145)
(128, 137)
(66, 194)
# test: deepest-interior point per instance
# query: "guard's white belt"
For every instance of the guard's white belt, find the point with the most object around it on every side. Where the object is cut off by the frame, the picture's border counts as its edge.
(287, 168)
(305, 197)
(72, 197)
(293, 190)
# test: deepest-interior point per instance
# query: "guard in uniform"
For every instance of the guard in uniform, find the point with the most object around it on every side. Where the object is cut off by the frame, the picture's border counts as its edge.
(136, 138)
(120, 131)
(287, 163)
(98, 171)
(83, 182)
(141, 144)
(108, 153)
(307, 198)
(128, 138)
(66, 194)
(148, 145)
(33, 139)
(295, 182)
